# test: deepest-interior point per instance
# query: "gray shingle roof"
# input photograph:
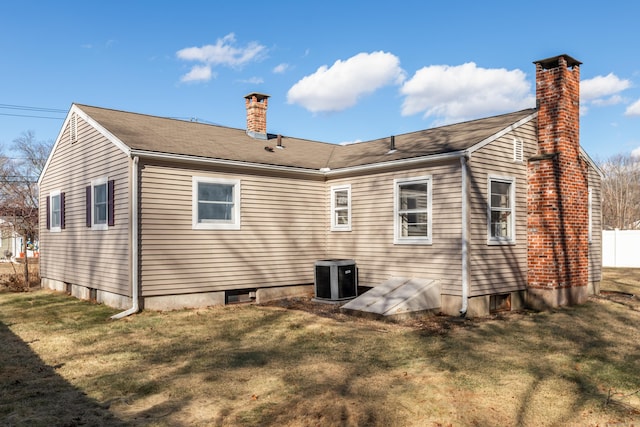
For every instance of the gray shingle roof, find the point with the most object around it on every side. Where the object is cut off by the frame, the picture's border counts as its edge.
(177, 137)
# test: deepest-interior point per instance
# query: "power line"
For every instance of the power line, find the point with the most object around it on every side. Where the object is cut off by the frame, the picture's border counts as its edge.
(31, 117)
(28, 108)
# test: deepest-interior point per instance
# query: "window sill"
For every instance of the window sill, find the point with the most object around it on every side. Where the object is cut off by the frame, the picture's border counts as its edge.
(423, 242)
(501, 242)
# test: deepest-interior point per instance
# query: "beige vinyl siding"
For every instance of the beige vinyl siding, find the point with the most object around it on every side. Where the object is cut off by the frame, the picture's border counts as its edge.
(595, 246)
(97, 259)
(370, 241)
(498, 268)
(281, 233)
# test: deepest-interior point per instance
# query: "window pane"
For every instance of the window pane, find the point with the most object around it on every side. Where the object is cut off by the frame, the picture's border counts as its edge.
(212, 212)
(342, 199)
(55, 211)
(414, 196)
(414, 224)
(215, 202)
(342, 217)
(500, 194)
(501, 224)
(100, 204)
(215, 192)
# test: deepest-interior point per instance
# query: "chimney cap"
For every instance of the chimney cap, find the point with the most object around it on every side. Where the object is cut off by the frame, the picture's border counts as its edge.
(554, 61)
(259, 96)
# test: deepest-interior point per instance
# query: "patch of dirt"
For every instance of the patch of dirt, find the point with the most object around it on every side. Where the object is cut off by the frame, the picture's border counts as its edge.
(627, 299)
(426, 323)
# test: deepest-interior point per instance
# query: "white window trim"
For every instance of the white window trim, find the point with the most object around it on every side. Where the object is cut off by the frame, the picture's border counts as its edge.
(95, 182)
(497, 240)
(590, 201)
(222, 225)
(52, 229)
(334, 225)
(398, 239)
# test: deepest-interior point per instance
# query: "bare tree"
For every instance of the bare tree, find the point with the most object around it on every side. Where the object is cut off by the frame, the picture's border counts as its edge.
(621, 192)
(18, 188)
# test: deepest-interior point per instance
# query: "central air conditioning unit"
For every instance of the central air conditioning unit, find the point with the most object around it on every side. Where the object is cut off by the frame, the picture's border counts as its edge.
(336, 279)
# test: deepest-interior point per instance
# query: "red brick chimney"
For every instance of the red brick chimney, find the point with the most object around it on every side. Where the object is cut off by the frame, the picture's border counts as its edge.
(256, 104)
(557, 199)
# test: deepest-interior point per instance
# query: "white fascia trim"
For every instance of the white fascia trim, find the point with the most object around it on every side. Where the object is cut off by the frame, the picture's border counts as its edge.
(404, 162)
(503, 132)
(76, 110)
(234, 163)
(121, 145)
(593, 164)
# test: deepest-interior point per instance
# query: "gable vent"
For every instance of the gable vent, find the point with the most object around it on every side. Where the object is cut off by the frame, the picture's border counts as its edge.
(73, 128)
(518, 150)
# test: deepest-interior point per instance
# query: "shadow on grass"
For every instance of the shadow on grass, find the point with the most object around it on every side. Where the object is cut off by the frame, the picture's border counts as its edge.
(33, 394)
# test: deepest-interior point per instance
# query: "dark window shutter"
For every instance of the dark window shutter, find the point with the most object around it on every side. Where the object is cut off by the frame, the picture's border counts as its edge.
(110, 203)
(62, 211)
(48, 213)
(88, 207)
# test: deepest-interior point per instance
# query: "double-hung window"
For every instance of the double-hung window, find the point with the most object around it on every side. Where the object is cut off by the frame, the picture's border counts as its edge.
(412, 210)
(341, 208)
(216, 203)
(501, 210)
(55, 211)
(100, 204)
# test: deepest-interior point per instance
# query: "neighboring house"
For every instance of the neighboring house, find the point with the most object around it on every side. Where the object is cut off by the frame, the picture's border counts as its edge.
(150, 212)
(10, 242)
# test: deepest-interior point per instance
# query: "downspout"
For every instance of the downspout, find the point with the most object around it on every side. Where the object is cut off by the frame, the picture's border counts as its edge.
(465, 238)
(135, 306)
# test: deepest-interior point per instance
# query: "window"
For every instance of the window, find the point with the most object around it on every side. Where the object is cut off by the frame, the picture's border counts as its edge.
(501, 210)
(55, 211)
(341, 208)
(412, 210)
(100, 204)
(216, 203)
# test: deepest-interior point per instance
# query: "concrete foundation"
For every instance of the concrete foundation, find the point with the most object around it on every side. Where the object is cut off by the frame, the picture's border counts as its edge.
(479, 306)
(545, 299)
(270, 294)
(54, 285)
(179, 302)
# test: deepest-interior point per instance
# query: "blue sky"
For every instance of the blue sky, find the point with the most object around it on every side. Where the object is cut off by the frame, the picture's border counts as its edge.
(337, 71)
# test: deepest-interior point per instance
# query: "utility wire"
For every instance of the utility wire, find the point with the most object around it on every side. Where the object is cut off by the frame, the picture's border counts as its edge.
(27, 108)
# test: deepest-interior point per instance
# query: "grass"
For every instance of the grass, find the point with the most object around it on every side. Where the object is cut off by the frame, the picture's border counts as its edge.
(64, 363)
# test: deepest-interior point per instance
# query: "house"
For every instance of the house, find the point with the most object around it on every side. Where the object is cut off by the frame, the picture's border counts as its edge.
(156, 213)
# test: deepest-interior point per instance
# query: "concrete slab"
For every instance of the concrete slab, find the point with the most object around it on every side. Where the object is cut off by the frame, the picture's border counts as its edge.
(398, 295)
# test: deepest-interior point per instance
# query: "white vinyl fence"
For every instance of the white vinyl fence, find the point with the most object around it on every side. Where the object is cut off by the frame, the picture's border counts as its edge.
(621, 248)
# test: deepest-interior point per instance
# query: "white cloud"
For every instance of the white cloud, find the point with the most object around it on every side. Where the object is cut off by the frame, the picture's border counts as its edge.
(456, 93)
(280, 68)
(636, 153)
(224, 52)
(340, 86)
(600, 87)
(199, 73)
(254, 80)
(633, 109)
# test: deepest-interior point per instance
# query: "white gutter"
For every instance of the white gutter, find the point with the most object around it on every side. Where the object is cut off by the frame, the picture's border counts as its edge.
(465, 239)
(323, 172)
(233, 163)
(135, 285)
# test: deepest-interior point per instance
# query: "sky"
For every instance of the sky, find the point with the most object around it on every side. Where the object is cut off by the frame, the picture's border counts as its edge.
(336, 71)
